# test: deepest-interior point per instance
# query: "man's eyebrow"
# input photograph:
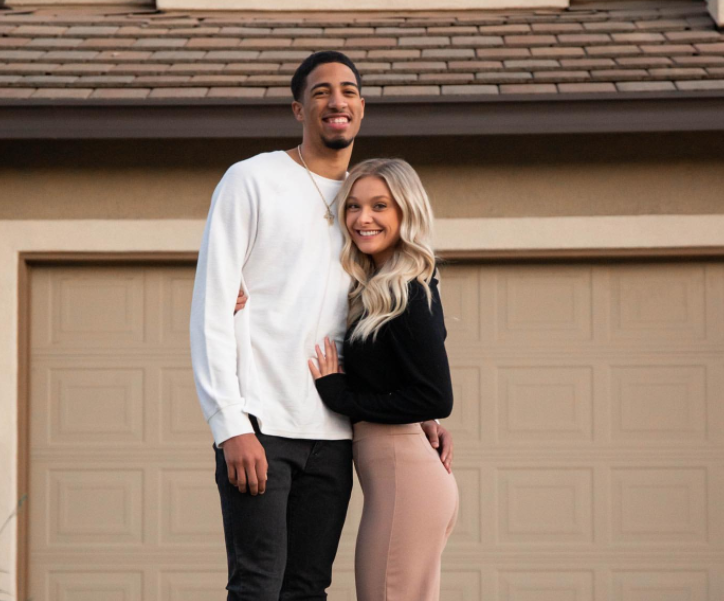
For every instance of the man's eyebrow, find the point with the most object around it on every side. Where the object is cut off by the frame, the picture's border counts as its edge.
(328, 85)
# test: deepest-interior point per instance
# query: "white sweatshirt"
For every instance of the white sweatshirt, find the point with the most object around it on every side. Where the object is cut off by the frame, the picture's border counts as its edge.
(266, 232)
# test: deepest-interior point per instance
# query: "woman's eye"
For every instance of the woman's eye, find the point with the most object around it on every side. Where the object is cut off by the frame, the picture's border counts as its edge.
(380, 205)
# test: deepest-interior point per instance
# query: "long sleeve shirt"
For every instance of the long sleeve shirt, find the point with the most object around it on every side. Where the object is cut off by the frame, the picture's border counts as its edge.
(401, 377)
(266, 233)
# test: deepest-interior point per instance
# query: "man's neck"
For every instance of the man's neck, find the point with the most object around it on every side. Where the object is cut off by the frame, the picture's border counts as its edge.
(326, 162)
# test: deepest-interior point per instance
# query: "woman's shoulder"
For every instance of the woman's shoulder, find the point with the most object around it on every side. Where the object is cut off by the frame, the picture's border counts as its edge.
(416, 290)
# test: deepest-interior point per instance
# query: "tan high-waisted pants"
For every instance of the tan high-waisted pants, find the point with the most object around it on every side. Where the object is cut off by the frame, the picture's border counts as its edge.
(410, 508)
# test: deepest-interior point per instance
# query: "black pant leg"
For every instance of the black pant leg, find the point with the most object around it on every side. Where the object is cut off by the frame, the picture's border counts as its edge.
(315, 515)
(255, 527)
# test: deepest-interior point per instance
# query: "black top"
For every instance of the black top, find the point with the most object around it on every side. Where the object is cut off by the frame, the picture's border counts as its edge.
(403, 376)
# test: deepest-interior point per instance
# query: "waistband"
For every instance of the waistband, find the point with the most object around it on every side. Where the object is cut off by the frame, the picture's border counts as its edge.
(368, 430)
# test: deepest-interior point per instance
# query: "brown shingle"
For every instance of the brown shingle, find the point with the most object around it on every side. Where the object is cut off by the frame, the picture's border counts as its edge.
(13, 42)
(448, 53)
(62, 93)
(555, 76)
(530, 40)
(579, 39)
(447, 78)
(392, 55)
(215, 42)
(475, 65)
(612, 51)
(529, 88)
(367, 43)
(709, 84)
(236, 92)
(531, 64)
(502, 53)
(425, 42)
(710, 48)
(557, 51)
(677, 73)
(178, 92)
(458, 90)
(16, 93)
(619, 74)
(586, 87)
(411, 91)
(645, 86)
(668, 49)
(587, 63)
(477, 41)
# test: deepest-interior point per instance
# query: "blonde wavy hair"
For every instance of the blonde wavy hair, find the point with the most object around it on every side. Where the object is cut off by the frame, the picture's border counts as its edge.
(377, 296)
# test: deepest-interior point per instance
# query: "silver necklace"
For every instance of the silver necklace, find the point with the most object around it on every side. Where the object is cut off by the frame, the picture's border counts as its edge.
(329, 216)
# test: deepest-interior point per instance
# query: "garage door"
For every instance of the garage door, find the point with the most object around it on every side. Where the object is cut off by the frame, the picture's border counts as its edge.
(588, 424)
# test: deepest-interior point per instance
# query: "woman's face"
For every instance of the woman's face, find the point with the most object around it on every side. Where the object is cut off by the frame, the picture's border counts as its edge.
(373, 218)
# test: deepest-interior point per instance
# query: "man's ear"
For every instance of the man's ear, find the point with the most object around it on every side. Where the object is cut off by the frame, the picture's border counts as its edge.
(362, 102)
(298, 110)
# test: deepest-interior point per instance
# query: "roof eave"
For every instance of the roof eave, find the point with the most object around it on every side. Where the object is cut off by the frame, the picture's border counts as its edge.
(388, 117)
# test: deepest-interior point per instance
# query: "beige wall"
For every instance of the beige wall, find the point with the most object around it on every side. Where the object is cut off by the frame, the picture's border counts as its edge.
(491, 177)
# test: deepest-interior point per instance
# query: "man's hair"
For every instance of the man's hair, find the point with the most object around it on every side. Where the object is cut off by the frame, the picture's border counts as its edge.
(299, 81)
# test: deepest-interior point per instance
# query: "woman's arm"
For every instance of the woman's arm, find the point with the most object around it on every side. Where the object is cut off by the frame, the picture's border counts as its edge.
(417, 338)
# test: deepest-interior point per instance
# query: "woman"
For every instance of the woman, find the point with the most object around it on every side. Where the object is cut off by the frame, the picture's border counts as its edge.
(397, 375)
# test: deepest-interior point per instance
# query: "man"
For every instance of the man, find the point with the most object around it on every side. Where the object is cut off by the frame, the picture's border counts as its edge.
(284, 461)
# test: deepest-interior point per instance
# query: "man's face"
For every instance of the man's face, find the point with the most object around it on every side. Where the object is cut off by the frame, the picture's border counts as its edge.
(331, 108)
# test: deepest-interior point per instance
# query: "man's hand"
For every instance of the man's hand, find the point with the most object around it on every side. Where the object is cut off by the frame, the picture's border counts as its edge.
(240, 301)
(246, 463)
(440, 440)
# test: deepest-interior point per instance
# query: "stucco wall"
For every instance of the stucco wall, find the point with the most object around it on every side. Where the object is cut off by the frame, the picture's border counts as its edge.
(491, 177)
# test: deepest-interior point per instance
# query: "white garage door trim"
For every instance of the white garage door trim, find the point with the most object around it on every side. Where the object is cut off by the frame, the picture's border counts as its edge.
(23, 241)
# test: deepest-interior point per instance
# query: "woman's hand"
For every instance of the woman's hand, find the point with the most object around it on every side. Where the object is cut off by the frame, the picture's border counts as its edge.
(328, 361)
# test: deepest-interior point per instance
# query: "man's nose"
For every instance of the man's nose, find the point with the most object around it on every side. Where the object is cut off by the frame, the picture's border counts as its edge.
(337, 100)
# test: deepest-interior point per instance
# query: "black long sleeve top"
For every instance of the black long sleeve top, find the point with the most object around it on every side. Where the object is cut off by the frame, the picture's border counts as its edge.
(403, 376)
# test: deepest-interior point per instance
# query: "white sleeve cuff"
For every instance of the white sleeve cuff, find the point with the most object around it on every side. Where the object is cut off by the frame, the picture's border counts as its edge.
(229, 422)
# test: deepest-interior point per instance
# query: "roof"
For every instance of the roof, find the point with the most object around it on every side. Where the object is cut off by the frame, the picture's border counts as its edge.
(608, 47)
(93, 56)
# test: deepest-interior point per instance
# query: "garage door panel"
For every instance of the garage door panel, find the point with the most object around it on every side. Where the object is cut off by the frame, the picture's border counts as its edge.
(181, 420)
(80, 507)
(669, 585)
(459, 585)
(88, 405)
(548, 585)
(173, 304)
(536, 306)
(93, 586)
(189, 514)
(545, 403)
(549, 505)
(658, 302)
(90, 308)
(660, 505)
(461, 297)
(190, 585)
(660, 403)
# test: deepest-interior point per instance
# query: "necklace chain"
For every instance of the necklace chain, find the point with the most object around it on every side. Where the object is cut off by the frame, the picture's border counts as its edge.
(329, 216)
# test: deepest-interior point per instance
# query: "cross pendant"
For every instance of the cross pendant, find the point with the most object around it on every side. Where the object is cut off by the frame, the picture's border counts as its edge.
(329, 217)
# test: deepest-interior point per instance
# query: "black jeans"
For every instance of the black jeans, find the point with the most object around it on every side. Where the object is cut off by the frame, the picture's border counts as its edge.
(281, 545)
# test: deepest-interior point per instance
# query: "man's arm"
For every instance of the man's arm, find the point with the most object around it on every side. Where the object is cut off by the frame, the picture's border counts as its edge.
(229, 229)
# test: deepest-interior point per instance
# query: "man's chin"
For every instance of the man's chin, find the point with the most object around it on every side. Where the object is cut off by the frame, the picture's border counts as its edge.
(337, 143)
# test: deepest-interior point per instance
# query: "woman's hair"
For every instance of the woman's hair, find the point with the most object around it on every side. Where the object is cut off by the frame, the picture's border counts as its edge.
(379, 295)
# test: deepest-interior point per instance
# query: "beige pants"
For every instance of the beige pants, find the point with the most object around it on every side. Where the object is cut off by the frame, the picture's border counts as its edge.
(410, 508)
